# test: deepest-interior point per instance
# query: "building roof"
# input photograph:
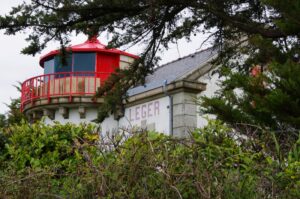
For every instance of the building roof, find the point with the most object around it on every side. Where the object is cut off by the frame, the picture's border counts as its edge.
(175, 70)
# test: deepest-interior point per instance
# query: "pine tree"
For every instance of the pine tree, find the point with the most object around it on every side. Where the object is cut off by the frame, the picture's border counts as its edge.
(250, 34)
(13, 114)
(2, 121)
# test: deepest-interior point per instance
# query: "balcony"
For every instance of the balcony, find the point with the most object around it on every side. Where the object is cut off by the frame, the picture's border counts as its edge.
(45, 88)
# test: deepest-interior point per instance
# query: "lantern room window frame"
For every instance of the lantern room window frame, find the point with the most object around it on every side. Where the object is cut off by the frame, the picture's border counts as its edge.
(75, 64)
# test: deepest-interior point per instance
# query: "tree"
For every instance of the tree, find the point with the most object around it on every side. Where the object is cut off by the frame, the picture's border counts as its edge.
(258, 32)
(2, 120)
(14, 114)
(68, 161)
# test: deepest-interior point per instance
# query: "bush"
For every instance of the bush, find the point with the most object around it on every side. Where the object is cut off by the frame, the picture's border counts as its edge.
(67, 161)
(49, 160)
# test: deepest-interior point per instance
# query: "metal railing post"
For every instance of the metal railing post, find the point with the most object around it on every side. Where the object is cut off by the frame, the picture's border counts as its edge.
(45, 86)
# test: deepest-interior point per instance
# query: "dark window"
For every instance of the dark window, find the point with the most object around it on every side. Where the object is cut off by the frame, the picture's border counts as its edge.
(63, 65)
(84, 62)
(49, 66)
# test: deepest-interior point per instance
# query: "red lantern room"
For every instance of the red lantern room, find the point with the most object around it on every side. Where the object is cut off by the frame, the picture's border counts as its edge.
(73, 79)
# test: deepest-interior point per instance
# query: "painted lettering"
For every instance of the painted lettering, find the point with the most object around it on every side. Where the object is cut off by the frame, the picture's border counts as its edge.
(137, 113)
(156, 108)
(144, 111)
(130, 116)
(149, 109)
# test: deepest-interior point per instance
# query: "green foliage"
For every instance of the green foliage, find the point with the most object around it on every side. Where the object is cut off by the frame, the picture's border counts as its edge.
(72, 162)
(3, 150)
(257, 104)
(260, 32)
(14, 114)
(41, 161)
(263, 103)
(286, 177)
(48, 160)
(2, 120)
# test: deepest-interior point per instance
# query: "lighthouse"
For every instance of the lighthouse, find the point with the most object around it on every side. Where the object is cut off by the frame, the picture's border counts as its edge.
(65, 92)
(166, 102)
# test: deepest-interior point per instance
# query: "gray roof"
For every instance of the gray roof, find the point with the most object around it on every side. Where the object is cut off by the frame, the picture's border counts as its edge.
(174, 70)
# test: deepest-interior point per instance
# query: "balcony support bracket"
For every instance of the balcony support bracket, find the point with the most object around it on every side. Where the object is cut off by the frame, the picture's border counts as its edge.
(82, 112)
(64, 112)
(49, 113)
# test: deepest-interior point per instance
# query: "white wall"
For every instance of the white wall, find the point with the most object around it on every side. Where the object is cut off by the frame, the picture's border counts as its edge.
(211, 88)
(109, 125)
(74, 117)
(152, 115)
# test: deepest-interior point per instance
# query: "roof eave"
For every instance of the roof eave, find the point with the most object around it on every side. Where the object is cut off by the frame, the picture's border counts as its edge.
(111, 51)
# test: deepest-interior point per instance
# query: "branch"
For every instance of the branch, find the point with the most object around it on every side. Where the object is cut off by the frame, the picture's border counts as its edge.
(248, 25)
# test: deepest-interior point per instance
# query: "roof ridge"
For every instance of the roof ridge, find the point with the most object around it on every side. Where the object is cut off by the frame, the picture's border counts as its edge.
(189, 55)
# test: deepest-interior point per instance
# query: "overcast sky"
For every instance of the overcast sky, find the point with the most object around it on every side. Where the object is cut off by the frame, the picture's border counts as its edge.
(16, 67)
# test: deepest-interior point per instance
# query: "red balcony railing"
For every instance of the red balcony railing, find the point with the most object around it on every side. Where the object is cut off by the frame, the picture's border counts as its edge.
(61, 84)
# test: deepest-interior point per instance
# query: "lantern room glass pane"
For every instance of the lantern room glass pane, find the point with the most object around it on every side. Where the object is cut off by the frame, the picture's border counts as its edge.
(84, 62)
(63, 67)
(49, 66)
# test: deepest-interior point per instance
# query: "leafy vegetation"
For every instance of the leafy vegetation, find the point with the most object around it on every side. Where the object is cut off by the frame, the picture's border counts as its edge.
(251, 32)
(264, 98)
(255, 155)
(67, 161)
(14, 114)
(40, 161)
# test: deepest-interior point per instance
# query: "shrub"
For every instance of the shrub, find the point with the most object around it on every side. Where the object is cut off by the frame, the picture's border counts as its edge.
(46, 160)
(68, 161)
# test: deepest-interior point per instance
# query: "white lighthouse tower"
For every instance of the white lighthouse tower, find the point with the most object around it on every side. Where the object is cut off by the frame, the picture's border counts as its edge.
(65, 91)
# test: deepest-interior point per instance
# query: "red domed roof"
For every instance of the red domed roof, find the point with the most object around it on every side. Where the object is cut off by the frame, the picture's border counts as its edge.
(91, 45)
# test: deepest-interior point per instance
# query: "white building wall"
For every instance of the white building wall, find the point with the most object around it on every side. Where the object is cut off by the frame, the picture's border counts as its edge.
(109, 125)
(74, 117)
(211, 88)
(152, 115)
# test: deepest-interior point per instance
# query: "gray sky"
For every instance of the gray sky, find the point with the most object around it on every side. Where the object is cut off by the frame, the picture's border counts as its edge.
(16, 67)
